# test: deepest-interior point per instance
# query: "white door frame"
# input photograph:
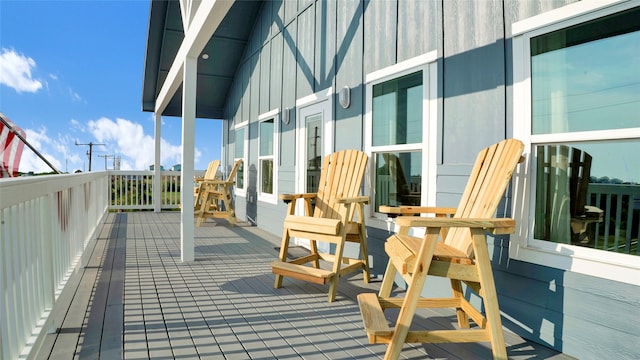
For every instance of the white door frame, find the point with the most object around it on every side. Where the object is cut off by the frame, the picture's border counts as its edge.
(315, 103)
(312, 104)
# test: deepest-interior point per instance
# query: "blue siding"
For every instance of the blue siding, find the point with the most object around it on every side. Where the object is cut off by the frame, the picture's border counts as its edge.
(300, 47)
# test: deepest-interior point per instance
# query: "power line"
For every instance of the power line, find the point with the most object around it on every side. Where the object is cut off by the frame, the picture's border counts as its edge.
(90, 152)
(105, 159)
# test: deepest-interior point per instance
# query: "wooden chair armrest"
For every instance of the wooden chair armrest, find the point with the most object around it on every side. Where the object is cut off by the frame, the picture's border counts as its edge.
(355, 199)
(393, 211)
(218, 182)
(493, 225)
(287, 198)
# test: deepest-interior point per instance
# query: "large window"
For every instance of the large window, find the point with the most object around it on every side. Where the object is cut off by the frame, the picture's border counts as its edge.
(578, 103)
(399, 136)
(267, 171)
(397, 120)
(240, 152)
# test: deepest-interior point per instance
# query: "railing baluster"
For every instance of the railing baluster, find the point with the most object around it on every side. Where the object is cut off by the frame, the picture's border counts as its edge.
(627, 243)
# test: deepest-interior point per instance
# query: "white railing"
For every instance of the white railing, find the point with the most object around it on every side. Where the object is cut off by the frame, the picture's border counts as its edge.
(133, 190)
(46, 222)
(621, 220)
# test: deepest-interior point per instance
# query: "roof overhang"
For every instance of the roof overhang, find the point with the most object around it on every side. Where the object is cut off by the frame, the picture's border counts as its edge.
(166, 40)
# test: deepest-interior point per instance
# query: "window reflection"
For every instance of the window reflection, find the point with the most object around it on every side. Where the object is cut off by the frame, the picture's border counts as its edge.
(588, 194)
(587, 77)
(398, 179)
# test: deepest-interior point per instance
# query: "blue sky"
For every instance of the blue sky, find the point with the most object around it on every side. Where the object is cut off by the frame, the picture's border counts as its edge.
(72, 71)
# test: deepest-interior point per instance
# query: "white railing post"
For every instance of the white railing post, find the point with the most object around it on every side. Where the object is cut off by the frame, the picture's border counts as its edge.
(157, 177)
(47, 261)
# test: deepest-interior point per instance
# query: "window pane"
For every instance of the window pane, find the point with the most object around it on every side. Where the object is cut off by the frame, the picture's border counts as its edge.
(240, 177)
(313, 130)
(398, 178)
(587, 77)
(239, 151)
(588, 194)
(397, 111)
(266, 169)
(266, 138)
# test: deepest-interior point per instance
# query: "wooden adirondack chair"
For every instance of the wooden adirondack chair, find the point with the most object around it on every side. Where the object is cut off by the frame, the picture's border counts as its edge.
(338, 217)
(215, 198)
(210, 174)
(461, 257)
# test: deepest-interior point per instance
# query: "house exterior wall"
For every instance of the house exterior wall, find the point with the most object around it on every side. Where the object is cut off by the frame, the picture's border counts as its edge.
(301, 47)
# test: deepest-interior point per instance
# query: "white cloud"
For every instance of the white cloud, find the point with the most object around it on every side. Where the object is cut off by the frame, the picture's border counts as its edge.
(123, 138)
(127, 139)
(47, 147)
(15, 72)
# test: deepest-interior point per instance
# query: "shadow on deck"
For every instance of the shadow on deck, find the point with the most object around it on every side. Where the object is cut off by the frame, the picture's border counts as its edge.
(134, 299)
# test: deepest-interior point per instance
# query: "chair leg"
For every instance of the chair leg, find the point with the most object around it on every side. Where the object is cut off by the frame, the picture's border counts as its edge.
(463, 318)
(364, 251)
(228, 206)
(284, 250)
(313, 247)
(203, 208)
(410, 303)
(490, 297)
(387, 280)
(337, 265)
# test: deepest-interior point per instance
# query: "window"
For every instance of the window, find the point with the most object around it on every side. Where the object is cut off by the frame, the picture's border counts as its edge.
(240, 153)
(400, 138)
(577, 101)
(267, 157)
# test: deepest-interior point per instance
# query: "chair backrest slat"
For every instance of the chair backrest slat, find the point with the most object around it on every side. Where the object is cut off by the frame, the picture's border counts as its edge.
(212, 170)
(234, 170)
(341, 176)
(489, 179)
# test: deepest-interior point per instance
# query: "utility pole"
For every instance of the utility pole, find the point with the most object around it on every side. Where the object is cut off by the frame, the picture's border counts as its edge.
(90, 152)
(105, 159)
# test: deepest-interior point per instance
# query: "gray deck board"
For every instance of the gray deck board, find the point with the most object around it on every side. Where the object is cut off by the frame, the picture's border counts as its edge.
(136, 300)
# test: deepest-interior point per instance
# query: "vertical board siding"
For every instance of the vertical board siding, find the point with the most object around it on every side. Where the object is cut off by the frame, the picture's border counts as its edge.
(305, 53)
(380, 27)
(254, 99)
(277, 13)
(265, 79)
(299, 47)
(266, 21)
(474, 77)
(349, 72)
(275, 73)
(245, 76)
(325, 41)
(287, 131)
(418, 22)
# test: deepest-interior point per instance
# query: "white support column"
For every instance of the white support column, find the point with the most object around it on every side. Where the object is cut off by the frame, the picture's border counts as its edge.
(188, 152)
(157, 170)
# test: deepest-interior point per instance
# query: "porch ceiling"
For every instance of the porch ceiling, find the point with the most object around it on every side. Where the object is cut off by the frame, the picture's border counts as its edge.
(215, 74)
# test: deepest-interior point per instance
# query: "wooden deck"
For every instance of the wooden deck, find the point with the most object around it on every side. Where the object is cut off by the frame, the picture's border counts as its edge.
(134, 299)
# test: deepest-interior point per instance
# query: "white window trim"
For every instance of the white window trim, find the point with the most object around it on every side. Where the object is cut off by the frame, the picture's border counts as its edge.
(264, 197)
(237, 191)
(613, 266)
(428, 64)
